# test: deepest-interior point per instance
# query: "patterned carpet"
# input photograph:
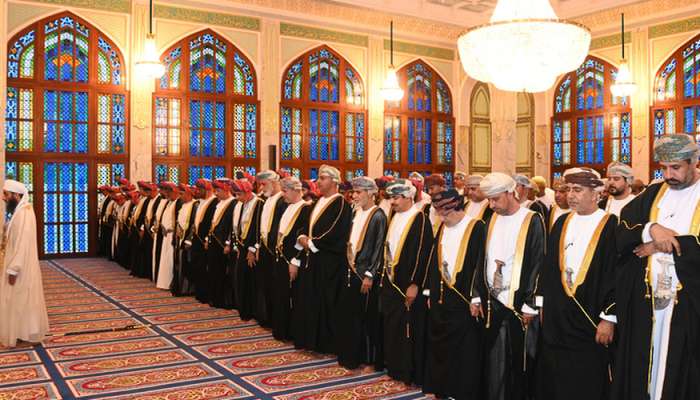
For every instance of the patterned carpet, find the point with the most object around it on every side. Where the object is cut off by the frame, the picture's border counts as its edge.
(190, 351)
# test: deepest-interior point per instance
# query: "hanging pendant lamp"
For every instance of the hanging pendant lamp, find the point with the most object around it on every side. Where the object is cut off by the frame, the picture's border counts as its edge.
(624, 84)
(391, 91)
(150, 65)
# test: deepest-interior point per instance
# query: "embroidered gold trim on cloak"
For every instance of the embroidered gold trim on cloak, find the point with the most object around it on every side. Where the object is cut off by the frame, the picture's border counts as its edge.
(361, 241)
(587, 258)
(459, 261)
(312, 223)
(263, 238)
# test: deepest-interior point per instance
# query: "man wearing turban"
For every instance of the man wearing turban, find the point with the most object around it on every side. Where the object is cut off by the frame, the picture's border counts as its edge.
(620, 178)
(203, 219)
(561, 202)
(454, 358)
(460, 182)
(23, 315)
(358, 328)
(245, 235)
(135, 221)
(325, 243)
(577, 293)
(104, 235)
(183, 277)
(143, 263)
(289, 281)
(218, 245)
(658, 286)
(477, 204)
(406, 253)
(166, 192)
(505, 285)
(266, 242)
(168, 227)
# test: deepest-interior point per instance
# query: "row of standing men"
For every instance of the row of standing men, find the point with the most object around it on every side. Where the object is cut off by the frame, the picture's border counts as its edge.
(445, 289)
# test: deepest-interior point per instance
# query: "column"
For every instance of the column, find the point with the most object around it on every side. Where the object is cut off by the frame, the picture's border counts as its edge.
(375, 107)
(3, 85)
(141, 91)
(639, 65)
(269, 91)
(504, 114)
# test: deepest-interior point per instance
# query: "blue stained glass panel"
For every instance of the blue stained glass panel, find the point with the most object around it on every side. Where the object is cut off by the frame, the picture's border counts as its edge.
(313, 173)
(688, 120)
(411, 140)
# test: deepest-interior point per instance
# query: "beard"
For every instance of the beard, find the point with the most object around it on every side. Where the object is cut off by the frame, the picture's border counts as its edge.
(678, 185)
(11, 205)
(614, 191)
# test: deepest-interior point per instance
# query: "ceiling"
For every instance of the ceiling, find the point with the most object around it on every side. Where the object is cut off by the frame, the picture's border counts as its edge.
(468, 13)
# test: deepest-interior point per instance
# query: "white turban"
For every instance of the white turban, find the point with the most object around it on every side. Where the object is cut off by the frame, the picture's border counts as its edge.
(14, 187)
(473, 180)
(291, 183)
(330, 171)
(268, 175)
(496, 183)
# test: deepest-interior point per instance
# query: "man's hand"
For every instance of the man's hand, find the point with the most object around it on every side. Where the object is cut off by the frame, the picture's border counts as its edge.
(476, 310)
(303, 241)
(366, 285)
(250, 257)
(644, 250)
(665, 239)
(12, 279)
(411, 294)
(293, 271)
(227, 249)
(604, 333)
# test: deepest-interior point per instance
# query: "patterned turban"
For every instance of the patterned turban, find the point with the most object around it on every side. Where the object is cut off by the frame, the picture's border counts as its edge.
(223, 184)
(416, 176)
(364, 183)
(559, 184)
(539, 180)
(583, 176)
(345, 186)
(460, 175)
(205, 184)
(401, 187)
(291, 183)
(383, 181)
(618, 168)
(435, 180)
(123, 182)
(496, 183)
(329, 171)
(524, 181)
(241, 186)
(165, 185)
(185, 188)
(268, 175)
(676, 147)
(449, 199)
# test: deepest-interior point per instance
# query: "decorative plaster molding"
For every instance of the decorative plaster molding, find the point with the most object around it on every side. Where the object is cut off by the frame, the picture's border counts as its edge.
(123, 6)
(208, 17)
(635, 11)
(307, 32)
(686, 25)
(609, 41)
(421, 50)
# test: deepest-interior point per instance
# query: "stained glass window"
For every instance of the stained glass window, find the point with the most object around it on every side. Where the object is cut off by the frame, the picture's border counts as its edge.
(322, 114)
(65, 100)
(66, 49)
(596, 130)
(110, 123)
(21, 171)
(65, 207)
(166, 172)
(210, 172)
(419, 129)
(19, 120)
(206, 110)
(676, 106)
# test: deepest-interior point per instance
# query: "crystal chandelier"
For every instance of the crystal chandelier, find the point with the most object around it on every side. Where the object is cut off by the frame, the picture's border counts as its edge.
(150, 65)
(391, 91)
(624, 85)
(524, 47)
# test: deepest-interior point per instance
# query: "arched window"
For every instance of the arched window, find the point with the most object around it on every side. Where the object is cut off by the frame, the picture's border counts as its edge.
(590, 126)
(323, 119)
(480, 127)
(66, 129)
(205, 111)
(525, 135)
(419, 129)
(676, 106)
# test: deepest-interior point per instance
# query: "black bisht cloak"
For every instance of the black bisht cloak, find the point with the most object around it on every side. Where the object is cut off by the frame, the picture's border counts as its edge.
(568, 355)
(635, 311)
(454, 336)
(198, 254)
(220, 289)
(245, 288)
